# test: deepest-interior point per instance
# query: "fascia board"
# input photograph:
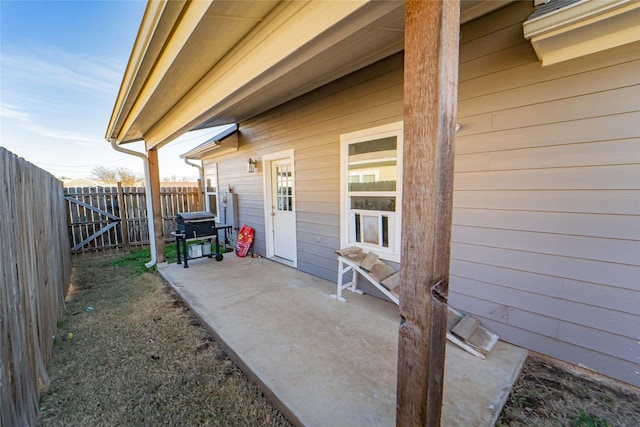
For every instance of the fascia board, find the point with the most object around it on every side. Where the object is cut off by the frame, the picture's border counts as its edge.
(584, 28)
(279, 43)
(192, 14)
(157, 21)
(579, 13)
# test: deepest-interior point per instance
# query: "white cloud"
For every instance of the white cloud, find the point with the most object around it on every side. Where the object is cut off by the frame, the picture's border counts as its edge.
(12, 113)
(54, 68)
(27, 122)
(65, 135)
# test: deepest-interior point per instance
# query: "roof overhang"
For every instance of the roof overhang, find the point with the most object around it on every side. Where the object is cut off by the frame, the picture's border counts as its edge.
(222, 143)
(212, 62)
(580, 28)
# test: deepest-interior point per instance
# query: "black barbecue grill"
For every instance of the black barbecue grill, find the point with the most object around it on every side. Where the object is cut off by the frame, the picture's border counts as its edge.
(197, 225)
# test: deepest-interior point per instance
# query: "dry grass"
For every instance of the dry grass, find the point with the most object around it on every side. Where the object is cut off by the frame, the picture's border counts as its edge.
(546, 396)
(140, 358)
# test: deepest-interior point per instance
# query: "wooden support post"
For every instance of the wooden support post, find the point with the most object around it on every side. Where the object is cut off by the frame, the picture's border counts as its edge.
(124, 223)
(430, 104)
(154, 174)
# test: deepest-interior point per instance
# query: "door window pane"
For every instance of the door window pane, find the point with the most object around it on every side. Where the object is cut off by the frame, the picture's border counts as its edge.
(284, 184)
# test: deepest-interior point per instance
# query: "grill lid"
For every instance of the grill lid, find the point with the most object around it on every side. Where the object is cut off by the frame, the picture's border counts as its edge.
(191, 217)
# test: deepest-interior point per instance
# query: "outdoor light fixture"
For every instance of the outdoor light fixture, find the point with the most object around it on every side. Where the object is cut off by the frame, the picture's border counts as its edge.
(251, 166)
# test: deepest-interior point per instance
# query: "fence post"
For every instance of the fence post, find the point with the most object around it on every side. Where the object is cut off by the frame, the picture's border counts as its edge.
(124, 223)
(200, 200)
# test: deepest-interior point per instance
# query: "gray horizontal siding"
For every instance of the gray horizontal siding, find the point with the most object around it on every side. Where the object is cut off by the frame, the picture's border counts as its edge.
(597, 318)
(546, 234)
(476, 137)
(604, 273)
(565, 245)
(595, 225)
(319, 207)
(330, 274)
(588, 293)
(311, 125)
(585, 356)
(615, 202)
(600, 153)
(569, 88)
(609, 177)
(322, 257)
(331, 242)
(531, 73)
(546, 212)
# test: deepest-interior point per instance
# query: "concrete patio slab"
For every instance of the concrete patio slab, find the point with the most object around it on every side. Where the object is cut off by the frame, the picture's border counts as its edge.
(322, 362)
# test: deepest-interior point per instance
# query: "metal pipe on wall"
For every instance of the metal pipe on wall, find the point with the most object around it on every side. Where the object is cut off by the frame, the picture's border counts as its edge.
(147, 177)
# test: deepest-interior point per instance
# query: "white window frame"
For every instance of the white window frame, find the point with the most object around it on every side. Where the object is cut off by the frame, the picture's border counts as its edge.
(211, 172)
(395, 225)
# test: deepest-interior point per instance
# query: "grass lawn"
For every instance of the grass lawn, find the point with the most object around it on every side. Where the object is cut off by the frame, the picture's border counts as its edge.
(139, 358)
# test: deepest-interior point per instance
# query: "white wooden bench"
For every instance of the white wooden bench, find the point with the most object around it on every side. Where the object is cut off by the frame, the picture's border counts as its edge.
(462, 330)
(344, 266)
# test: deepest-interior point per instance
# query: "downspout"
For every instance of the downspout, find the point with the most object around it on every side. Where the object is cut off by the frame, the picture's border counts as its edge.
(150, 224)
(203, 185)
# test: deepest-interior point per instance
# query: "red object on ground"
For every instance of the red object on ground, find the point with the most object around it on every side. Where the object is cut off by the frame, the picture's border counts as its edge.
(245, 240)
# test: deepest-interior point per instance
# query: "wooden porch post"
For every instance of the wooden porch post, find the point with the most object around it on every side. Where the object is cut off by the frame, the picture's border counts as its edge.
(430, 104)
(154, 174)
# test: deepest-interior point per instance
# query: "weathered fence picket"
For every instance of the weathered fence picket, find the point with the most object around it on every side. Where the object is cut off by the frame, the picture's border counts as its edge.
(116, 217)
(35, 272)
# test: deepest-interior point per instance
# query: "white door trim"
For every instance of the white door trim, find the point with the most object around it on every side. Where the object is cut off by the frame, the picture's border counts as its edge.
(267, 160)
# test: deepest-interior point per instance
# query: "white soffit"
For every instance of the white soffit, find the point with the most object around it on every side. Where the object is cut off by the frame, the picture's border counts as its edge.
(583, 28)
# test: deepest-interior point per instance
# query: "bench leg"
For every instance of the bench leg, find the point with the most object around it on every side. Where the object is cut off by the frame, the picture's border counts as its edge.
(341, 270)
(354, 283)
(351, 286)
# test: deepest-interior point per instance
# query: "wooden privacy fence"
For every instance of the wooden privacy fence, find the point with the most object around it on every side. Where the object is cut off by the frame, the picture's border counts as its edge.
(36, 270)
(116, 217)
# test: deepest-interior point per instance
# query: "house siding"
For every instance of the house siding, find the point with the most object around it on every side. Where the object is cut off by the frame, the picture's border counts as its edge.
(546, 218)
(311, 125)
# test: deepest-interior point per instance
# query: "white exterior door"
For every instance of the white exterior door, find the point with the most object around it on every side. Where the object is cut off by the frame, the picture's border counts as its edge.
(283, 209)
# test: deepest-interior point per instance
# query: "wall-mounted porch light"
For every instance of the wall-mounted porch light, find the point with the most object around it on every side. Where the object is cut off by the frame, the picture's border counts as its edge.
(251, 166)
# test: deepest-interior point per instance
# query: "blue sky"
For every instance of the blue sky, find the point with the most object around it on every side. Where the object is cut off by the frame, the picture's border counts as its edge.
(61, 64)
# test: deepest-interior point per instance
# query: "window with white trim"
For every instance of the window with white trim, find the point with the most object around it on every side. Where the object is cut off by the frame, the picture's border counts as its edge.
(371, 190)
(211, 189)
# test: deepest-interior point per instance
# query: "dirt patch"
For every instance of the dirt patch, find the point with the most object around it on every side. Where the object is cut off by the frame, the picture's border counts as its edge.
(140, 358)
(546, 395)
